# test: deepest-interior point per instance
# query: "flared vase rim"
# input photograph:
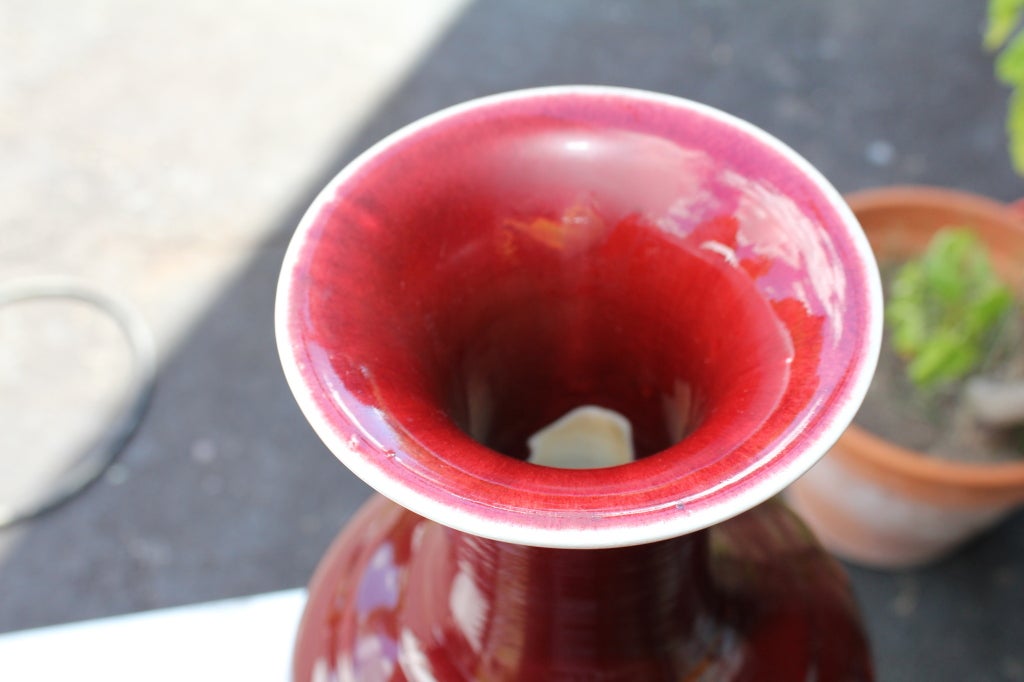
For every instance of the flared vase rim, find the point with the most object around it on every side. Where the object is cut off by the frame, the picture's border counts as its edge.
(500, 519)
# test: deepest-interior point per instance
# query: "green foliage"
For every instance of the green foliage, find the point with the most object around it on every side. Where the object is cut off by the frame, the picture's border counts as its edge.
(1004, 18)
(944, 307)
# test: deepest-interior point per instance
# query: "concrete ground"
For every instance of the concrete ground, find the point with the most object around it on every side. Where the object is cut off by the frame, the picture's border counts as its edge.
(164, 152)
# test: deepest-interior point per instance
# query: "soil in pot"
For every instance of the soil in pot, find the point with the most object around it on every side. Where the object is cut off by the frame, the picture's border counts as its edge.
(943, 424)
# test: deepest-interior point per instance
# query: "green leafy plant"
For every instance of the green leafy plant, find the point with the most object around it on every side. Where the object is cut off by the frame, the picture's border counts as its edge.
(944, 307)
(1002, 36)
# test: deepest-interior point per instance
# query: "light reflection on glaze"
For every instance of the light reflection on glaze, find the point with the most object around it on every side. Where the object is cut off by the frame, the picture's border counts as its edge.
(468, 607)
(379, 587)
(374, 658)
(770, 229)
(413, 659)
(374, 429)
(774, 228)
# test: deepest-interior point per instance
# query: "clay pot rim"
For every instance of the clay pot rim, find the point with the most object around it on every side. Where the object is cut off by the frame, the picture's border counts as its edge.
(884, 454)
(933, 197)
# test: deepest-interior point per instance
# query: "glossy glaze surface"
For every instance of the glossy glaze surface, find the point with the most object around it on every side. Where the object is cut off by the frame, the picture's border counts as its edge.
(402, 598)
(476, 276)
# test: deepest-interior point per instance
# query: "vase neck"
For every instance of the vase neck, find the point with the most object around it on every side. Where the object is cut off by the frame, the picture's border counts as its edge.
(562, 609)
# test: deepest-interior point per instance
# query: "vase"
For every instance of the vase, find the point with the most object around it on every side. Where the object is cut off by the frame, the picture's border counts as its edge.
(478, 275)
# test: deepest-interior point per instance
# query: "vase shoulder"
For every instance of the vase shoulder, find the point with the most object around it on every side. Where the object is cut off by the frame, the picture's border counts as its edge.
(399, 597)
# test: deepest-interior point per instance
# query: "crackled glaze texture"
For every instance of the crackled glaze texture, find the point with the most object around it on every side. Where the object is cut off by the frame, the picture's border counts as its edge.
(479, 274)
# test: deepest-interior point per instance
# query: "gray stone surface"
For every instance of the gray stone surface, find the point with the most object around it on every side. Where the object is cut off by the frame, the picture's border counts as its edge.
(225, 491)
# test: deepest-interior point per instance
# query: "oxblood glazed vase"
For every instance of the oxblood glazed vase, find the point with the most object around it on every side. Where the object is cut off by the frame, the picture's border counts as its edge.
(480, 273)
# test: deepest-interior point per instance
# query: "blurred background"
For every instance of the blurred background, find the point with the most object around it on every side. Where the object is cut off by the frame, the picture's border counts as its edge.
(163, 153)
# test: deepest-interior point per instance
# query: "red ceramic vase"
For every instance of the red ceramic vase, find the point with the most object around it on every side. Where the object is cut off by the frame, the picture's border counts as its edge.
(480, 273)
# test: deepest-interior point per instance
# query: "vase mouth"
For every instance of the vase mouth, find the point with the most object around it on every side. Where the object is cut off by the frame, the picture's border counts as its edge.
(480, 272)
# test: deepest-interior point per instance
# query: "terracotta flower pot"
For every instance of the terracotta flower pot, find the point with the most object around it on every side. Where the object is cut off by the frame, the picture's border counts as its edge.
(872, 501)
(481, 273)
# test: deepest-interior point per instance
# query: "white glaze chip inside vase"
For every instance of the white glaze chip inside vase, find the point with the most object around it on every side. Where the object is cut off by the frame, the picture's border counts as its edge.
(588, 437)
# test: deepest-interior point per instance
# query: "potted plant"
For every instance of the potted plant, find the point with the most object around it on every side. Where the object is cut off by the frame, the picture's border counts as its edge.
(891, 492)
(936, 454)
